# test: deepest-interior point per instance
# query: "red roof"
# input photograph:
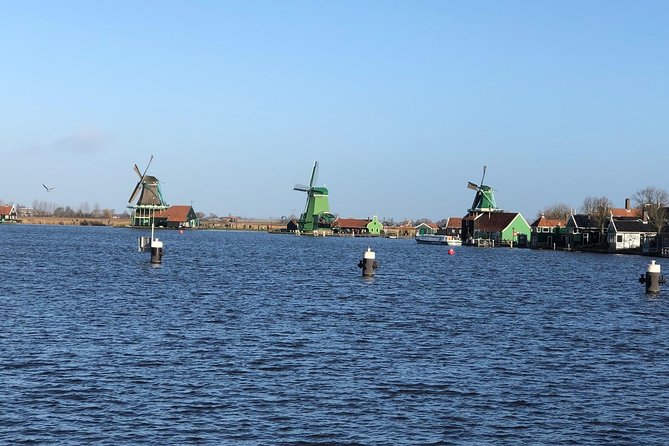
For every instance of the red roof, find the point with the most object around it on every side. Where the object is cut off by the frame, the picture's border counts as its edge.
(547, 222)
(494, 221)
(175, 213)
(6, 210)
(622, 213)
(454, 222)
(353, 223)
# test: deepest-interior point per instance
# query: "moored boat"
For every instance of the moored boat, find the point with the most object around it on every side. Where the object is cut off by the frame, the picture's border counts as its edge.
(439, 239)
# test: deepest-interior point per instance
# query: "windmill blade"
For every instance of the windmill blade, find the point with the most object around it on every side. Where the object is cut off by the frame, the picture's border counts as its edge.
(314, 175)
(139, 174)
(147, 166)
(484, 169)
(301, 188)
(472, 186)
(135, 192)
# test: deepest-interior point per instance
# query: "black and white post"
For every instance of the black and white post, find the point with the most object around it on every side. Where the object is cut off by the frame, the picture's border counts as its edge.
(653, 278)
(368, 263)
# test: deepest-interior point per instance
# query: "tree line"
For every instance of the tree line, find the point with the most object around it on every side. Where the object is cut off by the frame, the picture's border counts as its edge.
(42, 208)
(651, 200)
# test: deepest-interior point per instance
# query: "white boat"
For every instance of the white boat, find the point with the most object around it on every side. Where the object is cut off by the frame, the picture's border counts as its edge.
(437, 239)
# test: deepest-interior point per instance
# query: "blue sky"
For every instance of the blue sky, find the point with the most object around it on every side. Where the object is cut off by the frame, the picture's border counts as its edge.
(401, 102)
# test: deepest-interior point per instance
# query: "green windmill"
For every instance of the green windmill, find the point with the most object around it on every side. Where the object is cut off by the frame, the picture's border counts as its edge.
(484, 201)
(317, 210)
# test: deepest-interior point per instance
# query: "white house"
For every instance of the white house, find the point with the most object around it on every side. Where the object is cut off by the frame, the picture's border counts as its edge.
(628, 234)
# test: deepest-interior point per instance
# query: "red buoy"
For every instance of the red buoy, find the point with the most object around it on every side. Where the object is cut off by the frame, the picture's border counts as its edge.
(451, 251)
(181, 231)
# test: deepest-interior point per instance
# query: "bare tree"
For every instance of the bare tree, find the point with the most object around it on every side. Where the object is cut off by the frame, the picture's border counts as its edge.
(598, 208)
(556, 211)
(654, 201)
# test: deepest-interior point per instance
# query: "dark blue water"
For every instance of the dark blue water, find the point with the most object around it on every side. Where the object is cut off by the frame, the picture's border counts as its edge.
(251, 338)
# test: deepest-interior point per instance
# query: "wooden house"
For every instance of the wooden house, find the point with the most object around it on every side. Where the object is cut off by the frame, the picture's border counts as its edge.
(453, 227)
(375, 227)
(426, 228)
(293, 225)
(548, 233)
(628, 235)
(496, 228)
(352, 226)
(178, 216)
(8, 212)
(582, 231)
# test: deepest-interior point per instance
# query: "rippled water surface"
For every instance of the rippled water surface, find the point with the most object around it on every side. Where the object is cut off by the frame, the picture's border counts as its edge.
(251, 338)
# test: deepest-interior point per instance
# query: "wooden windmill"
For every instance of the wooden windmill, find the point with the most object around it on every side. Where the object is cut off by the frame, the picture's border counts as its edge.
(317, 209)
(150, 198)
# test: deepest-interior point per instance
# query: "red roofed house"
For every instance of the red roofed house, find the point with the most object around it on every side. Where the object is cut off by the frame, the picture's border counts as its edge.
(453, 227)
(178, 216)
(8, 212)
(496, 228)
(548, 233)
(350, 225)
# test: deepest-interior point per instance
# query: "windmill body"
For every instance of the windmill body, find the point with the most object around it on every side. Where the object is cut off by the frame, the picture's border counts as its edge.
(317, 209)
(150, 198)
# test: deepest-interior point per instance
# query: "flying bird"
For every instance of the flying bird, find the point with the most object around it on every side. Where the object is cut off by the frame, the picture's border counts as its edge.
(48, 189)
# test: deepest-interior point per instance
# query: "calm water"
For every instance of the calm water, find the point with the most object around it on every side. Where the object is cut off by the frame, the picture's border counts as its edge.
(251, 338)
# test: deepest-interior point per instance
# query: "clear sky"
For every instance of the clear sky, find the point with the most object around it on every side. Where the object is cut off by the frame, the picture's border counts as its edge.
(401, 102)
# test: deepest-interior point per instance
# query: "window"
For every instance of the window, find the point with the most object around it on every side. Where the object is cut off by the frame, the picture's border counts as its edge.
(619, 239)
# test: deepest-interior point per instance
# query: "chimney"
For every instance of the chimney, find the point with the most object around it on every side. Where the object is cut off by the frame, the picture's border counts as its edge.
(627, 204)
(645, 214)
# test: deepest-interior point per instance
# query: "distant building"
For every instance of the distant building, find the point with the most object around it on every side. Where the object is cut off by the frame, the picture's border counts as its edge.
(548, 233)
(426, 228)
(497, 228)
(625, 235)
(357, 226)
(178, 216)
(453, 227)
(582, 231)
(8, 212)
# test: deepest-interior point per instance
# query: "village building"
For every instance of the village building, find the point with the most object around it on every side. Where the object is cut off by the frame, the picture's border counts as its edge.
(8, 212)
(176, 217)
(496, 229)
(426, 228)
(548, 233)
(357, 226)
(405, 229)
(629, 235)
(582, 231)
(453, 227)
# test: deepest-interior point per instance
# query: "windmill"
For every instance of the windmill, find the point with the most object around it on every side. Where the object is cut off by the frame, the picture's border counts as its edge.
(484, 200)
(317, 208)
(150, 197)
